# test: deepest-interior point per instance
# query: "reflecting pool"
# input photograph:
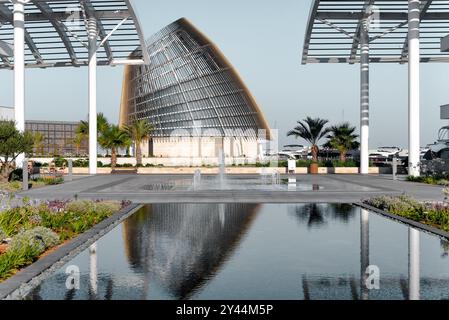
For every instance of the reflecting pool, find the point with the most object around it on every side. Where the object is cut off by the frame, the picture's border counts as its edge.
(252, 251)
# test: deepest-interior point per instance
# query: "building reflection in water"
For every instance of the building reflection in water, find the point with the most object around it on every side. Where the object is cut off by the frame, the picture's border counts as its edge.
(184, 245)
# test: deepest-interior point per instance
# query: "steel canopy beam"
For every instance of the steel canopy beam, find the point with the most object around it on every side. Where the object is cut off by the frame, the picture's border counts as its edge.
(356, 39)
(7, 15)
(333, 31)
(60, 29)
(51, 42)
(102, 33)
(309, 30)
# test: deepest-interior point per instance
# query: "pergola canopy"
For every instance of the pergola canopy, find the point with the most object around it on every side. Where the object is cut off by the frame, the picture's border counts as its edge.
(56, 36)
(332, 34)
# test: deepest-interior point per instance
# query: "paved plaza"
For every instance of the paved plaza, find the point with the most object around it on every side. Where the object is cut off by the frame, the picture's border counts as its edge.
(241, 189)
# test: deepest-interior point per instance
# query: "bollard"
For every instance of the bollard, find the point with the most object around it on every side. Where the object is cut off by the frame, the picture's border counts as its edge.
(25, 175)
(70, 175)
(395, 168)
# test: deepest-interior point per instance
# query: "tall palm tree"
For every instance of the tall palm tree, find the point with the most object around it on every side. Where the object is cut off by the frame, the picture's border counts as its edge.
(113, 139)
(138, 131)
(343, 138)
(311, 130)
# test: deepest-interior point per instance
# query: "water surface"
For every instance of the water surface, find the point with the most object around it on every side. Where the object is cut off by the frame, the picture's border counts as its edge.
(252, 251)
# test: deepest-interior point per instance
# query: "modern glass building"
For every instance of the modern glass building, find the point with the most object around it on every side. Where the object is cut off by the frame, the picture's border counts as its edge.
(193, 96)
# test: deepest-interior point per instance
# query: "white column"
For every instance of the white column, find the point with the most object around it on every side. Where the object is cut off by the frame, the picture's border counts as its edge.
(364, 253)
(19, 70)
(92, 31)
(364, 98)
(414, 88)
(414, 264)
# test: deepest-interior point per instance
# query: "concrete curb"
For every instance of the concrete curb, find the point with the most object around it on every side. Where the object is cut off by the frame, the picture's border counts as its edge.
(412, 223)
(20, 285)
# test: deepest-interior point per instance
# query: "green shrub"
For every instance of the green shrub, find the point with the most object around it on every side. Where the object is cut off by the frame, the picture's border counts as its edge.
(344, 164)
(81, 163)
(39, 238)
(16, 219)
(49, 181)
(261, 165)
(432, 214)
(433, 180)
(10, 187)
(60, 162)
(11, 261)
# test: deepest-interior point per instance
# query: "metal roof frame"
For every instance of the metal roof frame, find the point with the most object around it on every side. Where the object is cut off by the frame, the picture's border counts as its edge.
(332, 34)
(56, 36)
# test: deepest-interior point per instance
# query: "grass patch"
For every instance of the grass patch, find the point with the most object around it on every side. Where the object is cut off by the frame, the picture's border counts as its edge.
(432, 214)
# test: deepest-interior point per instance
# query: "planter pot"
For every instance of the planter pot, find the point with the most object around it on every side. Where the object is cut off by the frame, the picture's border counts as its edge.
(313, 169)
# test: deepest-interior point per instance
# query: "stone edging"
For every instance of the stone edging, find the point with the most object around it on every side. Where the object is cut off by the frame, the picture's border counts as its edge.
(415, 224)
(20, 285)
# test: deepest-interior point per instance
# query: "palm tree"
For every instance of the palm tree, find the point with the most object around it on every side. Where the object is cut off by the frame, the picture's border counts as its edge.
(138, 131)
(113, 139)
(311, 130)
(78, 142)
(38, 139)
(102, 126)
(343, 139)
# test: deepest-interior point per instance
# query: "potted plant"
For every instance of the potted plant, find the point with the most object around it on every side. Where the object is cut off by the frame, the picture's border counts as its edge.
(311, 130)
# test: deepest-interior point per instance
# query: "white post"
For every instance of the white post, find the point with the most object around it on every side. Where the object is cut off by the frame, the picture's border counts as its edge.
(414, 264)
(92, 32)
(414, 87)
(364, 98)
(19, 69)
(364, 253)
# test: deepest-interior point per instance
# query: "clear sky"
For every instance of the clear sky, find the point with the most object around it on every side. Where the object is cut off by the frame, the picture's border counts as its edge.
(263, 40)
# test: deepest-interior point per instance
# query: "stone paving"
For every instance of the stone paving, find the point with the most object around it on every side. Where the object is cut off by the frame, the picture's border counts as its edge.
(170, 188)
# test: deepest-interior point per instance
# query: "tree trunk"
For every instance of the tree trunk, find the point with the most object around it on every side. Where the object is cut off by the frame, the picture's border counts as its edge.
(343, 156)
(5, 171)
(113, 158)
(138, 154)
(315, 153)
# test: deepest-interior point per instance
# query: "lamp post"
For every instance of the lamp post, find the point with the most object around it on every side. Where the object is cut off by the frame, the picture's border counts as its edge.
(19, 67)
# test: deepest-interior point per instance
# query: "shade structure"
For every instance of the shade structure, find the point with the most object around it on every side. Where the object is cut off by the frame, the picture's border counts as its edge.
(55, 32)
(379, 31)
(332, 34)
(66, 33)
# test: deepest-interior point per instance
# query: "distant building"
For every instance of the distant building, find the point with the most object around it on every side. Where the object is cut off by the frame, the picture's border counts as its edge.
(193, 96)
(58, 138)
(6, 113)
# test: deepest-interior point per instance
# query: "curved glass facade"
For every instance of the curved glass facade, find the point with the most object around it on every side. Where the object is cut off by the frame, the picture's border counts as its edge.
(189, 87)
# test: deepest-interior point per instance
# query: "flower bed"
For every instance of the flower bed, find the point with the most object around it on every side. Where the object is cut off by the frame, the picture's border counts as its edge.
(432, 214)
(29, 230)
